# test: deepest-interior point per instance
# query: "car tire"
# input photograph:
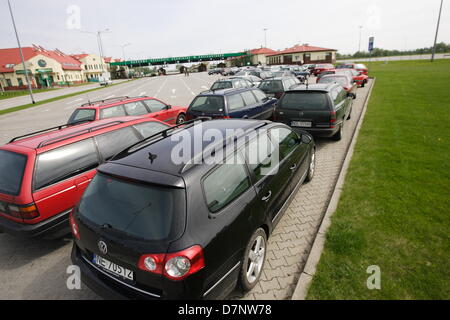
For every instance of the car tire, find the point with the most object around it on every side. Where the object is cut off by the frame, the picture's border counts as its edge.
(181, 118)
(312, 165)
(363, 84)
(338, 135)
(253, 262)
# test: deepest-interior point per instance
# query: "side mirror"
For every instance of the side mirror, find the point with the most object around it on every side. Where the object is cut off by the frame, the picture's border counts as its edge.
(306, 138)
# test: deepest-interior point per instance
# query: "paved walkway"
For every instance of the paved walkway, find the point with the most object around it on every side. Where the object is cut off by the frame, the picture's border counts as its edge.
(291, 241)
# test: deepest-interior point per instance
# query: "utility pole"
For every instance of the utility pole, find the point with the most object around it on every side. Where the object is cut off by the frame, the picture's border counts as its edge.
(21, 54)
(123, 49)
(265, 37)
(437, 30)
(359, 46)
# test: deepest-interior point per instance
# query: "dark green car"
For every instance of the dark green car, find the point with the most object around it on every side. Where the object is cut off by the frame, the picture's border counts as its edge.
(320, 109)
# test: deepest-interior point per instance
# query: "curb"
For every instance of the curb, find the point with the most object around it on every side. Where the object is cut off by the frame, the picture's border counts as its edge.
(301, 289)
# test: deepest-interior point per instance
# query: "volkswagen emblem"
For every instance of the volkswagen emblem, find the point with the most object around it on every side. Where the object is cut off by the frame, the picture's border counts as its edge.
(102, 247)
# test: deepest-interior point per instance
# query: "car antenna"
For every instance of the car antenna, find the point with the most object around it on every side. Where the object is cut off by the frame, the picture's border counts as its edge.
(152, 157)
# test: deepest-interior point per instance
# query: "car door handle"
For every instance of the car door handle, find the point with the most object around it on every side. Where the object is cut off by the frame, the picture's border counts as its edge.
(267, 196)
(293, 167)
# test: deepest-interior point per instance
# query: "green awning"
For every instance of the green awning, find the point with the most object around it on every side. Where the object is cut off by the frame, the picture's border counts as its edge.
(23, 71)
(44, 70)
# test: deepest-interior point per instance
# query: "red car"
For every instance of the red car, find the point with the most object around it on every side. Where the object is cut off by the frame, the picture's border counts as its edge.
(126, 106)
(43, 174)
(359, 78)
(359, 67)
(319, 68)
(344, 80)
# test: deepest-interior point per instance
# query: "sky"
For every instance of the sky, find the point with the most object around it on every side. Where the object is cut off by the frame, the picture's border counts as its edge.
(173, 28)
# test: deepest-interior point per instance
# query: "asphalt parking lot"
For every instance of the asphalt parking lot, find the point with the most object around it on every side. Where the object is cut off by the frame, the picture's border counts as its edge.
(36, 269)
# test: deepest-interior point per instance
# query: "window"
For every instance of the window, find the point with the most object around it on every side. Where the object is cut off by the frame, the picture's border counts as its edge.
(208, 104)
(155, 105)
(136, 108)
(248, 97)
(341, 96)
(20, 82)
(221, 85)
(112, 142)
(147, 129)
(12, 166)
(235, 102)
(116, 111)
(286, 140)
(65, 162)
(261, 96)
(304, 100)
(225, 183)
(258, 153)
(80, 115)
(8, 83)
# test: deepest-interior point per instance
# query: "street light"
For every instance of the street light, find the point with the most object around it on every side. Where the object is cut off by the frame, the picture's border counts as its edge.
(359, 46)
(265, 37)
(437, 29)
(99, 39)
(123, 48)
(21, 54)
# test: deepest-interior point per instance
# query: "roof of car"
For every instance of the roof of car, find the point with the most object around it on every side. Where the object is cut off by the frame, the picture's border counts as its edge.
(34, 141)
(104, 103)
(325, 87)
(223, 92)
(156, 157)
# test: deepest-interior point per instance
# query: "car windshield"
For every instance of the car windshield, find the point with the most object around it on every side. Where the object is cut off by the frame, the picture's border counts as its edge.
(341, 80)
(271, 86)
(82, 115)
(305, 100)
(12, 166)
(221, 85)
(209, 104)
(142, 211)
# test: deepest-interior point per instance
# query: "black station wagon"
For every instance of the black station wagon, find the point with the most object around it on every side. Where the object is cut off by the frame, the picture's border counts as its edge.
(320, 109)
(149, 227)
(246, 103)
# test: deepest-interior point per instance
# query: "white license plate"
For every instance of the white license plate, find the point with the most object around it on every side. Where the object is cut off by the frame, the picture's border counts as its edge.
(113, 268)
(301, 124)
(270, 95)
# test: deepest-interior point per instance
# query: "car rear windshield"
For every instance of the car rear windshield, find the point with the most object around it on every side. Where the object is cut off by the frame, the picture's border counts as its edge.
(222, 85)
(12, 166)
(208, 104)
(138, 210)
(341, 80)
(82, 115)
(305, 100)
(271, 86)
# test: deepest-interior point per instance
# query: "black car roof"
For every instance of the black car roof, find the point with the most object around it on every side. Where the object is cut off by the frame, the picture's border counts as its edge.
(325, 87)
(223, 92)
(157, 155)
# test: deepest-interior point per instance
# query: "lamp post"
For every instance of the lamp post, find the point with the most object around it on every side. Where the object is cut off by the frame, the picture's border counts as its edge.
(265, 37)
(123, 49)
(437, 30)
(21, 54)
(360, 31)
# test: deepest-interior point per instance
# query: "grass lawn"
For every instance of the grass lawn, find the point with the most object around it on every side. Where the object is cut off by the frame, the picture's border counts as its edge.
(395, 205)
(18, 93)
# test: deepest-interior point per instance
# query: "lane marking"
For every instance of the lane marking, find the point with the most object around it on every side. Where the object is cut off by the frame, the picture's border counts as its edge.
(79, 99)
(159, 90)
(189, 89)
(204, 87)
(142, 93)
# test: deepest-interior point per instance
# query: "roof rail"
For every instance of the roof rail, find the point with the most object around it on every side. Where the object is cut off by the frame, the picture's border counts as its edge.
(62, 126)
(79, 132)
(163, 133)
(105, 100)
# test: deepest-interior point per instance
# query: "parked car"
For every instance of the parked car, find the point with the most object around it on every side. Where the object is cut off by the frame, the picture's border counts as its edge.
(310, 67)
(323, 73)
(344, 80)
(359, 78)
(275, 87)
(283, 73)
(215, 71)
(253, 79)
(359, 67)
(126, 106)
(43, 174)
(319, 68)
(249, 103)
(320, 109)
(158, 229)
(231, 83)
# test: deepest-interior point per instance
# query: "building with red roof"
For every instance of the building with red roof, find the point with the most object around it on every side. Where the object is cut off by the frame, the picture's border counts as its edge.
(302, 54)
(45, 68)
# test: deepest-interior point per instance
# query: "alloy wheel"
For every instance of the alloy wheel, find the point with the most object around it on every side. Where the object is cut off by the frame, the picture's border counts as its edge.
(256, 259)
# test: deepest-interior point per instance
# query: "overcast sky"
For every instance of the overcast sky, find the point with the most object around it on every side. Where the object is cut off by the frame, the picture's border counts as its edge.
(187, 27)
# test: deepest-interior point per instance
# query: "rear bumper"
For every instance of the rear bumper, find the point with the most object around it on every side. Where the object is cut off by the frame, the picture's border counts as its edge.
(55, 226)
(320, 132)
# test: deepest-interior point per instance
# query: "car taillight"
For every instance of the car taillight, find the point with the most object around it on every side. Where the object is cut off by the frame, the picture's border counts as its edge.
(223, 117)
(332, 119)
(23, 212)
(74, 226)
(175, 266)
